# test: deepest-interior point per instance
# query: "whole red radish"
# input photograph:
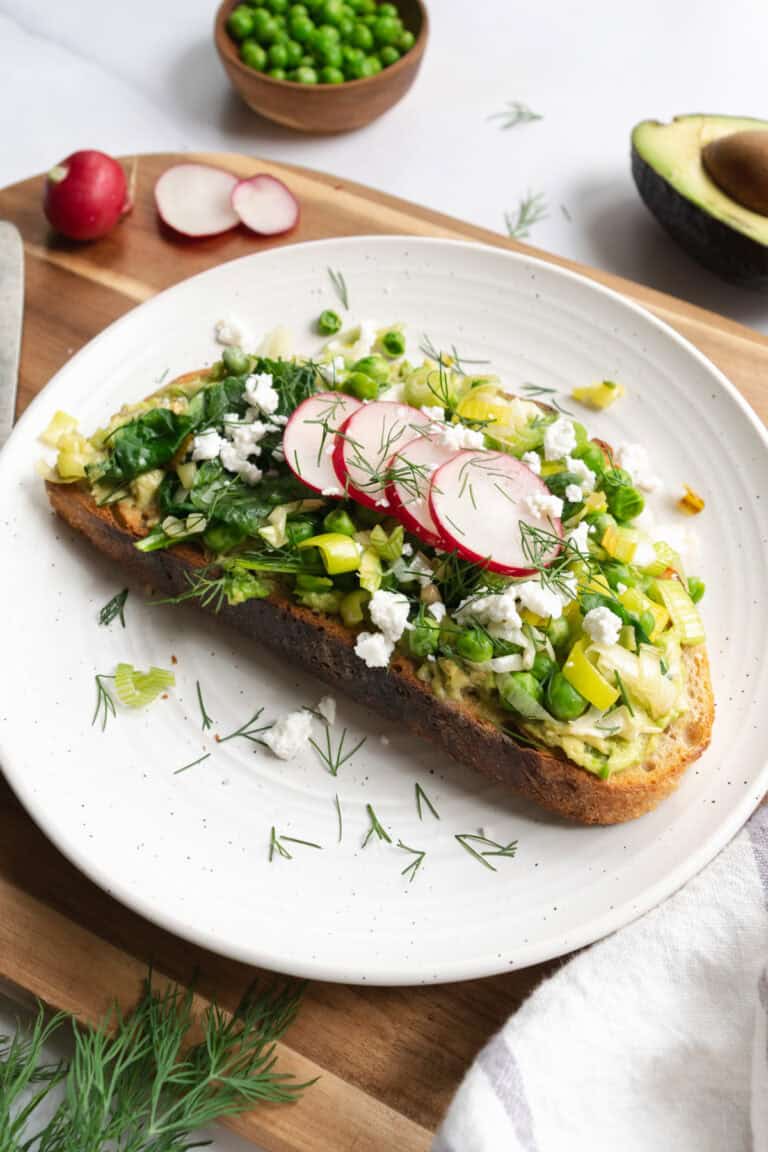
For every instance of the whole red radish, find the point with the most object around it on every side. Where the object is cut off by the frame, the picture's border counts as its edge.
(85, 195)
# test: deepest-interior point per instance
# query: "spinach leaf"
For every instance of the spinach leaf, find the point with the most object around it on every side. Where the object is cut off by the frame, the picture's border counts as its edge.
(292, 382)
(148, 442)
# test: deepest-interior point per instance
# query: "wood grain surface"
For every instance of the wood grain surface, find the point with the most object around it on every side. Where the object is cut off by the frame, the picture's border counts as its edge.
(388, 1059)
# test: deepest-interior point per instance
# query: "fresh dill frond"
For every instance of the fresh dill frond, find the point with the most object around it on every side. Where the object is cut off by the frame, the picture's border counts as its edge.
(114, 608)
(515, 112)
(451, 359)
(339, 287)
(335, 758)
(623, 694)
(192, 764)
(277, 844)
(339, 820)
(105, 705)
(530, 210)
(247, 731)
(210, 591)
(376, 828)
(421, 797)
(411, 869)
(547, 395)
(136, 1083)
(566, 213)
(206, 721)
(490, 848)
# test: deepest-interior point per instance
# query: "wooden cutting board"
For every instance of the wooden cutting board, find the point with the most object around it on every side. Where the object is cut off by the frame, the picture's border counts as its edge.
(388, 1059)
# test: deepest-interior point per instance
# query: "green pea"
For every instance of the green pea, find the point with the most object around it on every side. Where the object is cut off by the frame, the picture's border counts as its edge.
(424, 638)
(363, 7)
(333, 11)
(298, 530)
(625, 503)
(264, 26)
(332, 56)
(362, 37)
(351, 54)
(240, 22)
(278, 73)
(374, 366)
(647, 622)
(221, 537)
(562, 699)
(328, 322)
(592, 455)
(278, 56)
(278, 7)
(389, 10)
(543, 666)
(253, 55)
(387, 30)
(371, 66)
(236, 361)
(340, 521)
(393, 342)
(389, 56)
(696, 588)
(559, 634)
(293, 53)
(406, 41)
(357, 384)
(301, 28)
(617, 573)
(330, 31)
(298, 10)
(330, 75)
(600, 522)
(474, 645)
(306, 75)
(346, 26)
(307, 60)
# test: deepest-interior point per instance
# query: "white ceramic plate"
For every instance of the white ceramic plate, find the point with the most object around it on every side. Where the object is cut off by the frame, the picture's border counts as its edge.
(190, 851)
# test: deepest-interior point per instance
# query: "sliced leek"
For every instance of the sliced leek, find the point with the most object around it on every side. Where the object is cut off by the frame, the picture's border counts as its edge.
(684, 613)
(137, 689)
(582, 675)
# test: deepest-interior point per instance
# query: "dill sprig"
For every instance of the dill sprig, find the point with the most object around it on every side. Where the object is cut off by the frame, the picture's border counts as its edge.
(551, 557)
(491, 848)
(376, 828)
(277, 844)
(421, 797)
(114, 608)
(206, 721)
(548, 395)
(247, 731)
(135, 1082)
(623, 694)
(515, 112)
(451, 359)
(339, 819)
(530, 210)
(210, 591)
(339, 287)
(335, 758)
(192, 764)
(415, 864)
(105, 705)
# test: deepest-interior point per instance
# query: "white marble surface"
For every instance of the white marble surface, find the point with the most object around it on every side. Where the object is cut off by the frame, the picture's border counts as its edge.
(145, 77)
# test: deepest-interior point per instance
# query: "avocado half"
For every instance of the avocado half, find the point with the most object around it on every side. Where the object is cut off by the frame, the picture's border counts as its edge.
(720, 233)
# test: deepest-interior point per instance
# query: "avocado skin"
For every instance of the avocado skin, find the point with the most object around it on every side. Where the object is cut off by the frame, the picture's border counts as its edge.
(726, 252)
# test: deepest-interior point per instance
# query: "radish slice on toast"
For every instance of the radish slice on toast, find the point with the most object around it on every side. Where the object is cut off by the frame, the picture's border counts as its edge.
(196, 199)
(496, 512)
(308, 439)
(410, 477)
(265, 205)
(366, 443)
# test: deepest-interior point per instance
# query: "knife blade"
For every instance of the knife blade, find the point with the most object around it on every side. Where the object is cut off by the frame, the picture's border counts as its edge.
(11, 320)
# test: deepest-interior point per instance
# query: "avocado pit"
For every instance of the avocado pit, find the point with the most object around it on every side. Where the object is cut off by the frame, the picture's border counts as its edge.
(738, 164)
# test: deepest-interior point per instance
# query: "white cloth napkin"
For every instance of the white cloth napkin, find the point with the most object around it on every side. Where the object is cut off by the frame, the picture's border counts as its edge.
(654, 1040)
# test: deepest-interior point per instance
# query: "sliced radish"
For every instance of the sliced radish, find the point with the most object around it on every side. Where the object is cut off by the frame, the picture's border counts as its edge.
(479, 501)
(410, 477)
(265, 205)
(196, 199)
(308, 439)
(366, 443)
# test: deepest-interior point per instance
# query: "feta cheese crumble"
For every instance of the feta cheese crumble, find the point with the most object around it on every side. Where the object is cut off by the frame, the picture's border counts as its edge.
(434, 412)
(228, 332)
(578, 536)
(289, 734)
(544, 504)
(574, 494)
(331, 372)
(585, 476)
(537, 598)
(458, 436)
(533, 460)
(633, 458)
(389, 612)
(327, 709)
(559, 439)
(437, 610)
(260, 393)
(207, 445)
(374, 649)
(602, 625)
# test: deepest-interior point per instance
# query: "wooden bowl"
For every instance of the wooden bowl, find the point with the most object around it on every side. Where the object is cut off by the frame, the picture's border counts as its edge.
(325, 108)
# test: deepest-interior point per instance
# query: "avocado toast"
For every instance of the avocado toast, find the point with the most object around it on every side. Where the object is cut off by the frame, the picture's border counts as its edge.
(463, 560)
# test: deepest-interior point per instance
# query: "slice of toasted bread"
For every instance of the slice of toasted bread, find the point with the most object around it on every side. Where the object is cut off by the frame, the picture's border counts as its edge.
(325, 647)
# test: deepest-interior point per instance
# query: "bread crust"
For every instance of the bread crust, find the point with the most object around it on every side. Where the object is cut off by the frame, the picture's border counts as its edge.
(325, 647)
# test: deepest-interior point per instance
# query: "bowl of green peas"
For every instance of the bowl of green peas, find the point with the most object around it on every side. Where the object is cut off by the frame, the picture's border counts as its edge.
(321, 66)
